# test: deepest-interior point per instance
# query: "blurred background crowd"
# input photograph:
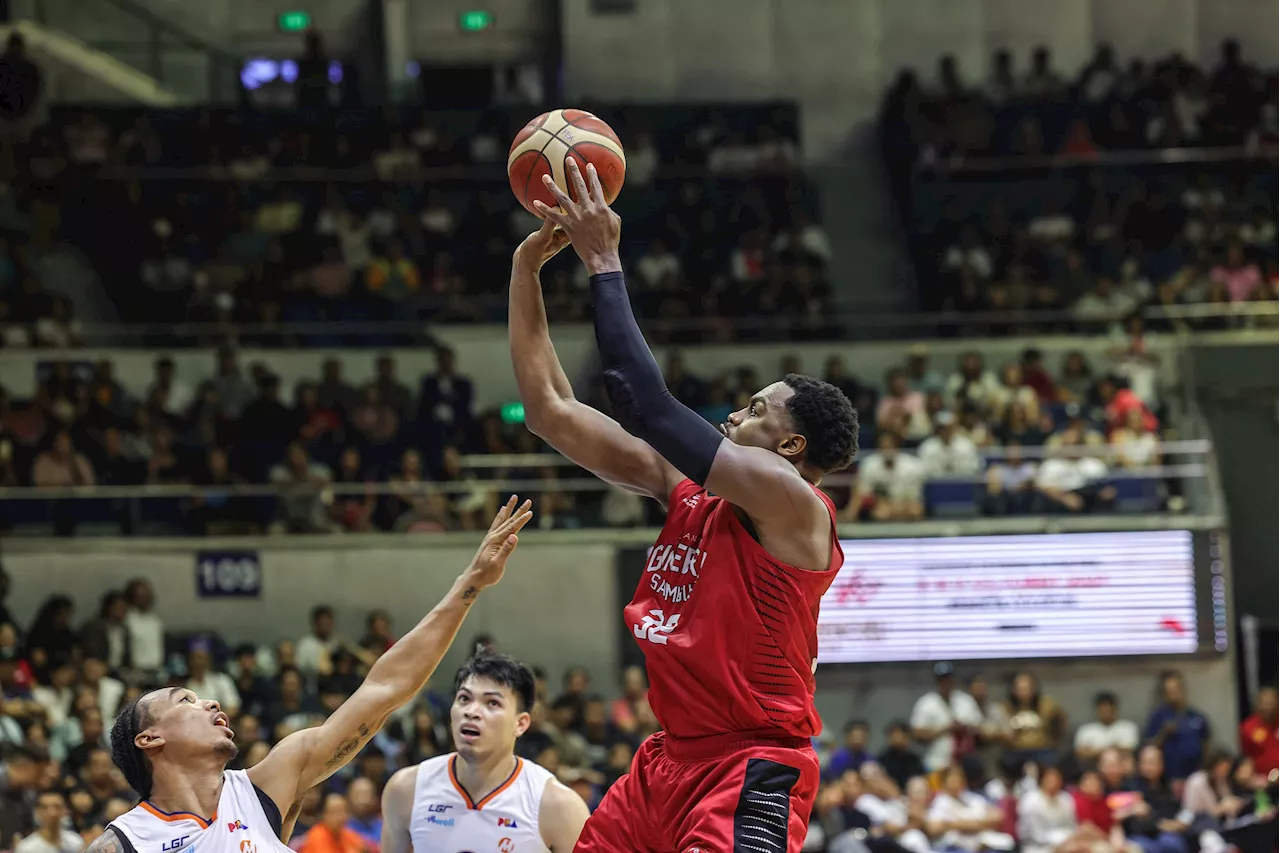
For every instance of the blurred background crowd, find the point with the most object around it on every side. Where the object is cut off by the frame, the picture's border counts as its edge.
(988, 761)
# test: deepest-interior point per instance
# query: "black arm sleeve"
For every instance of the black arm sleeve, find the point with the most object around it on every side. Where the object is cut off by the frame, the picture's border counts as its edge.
(639, 393)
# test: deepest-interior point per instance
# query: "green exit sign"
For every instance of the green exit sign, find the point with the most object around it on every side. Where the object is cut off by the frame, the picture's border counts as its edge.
(475, 21)
(293, 22)
(512, 413)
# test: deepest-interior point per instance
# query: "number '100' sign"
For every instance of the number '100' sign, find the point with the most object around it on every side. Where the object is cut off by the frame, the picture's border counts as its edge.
(228, 574)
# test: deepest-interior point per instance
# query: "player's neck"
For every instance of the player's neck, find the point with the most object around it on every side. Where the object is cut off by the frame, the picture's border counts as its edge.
(52, 834)
(194, 791)
(481, 776)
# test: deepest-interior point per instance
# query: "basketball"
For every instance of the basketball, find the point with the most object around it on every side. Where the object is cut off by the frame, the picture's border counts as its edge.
(541, 146)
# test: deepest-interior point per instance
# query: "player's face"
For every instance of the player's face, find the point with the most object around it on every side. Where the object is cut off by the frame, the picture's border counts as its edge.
(486, 718)
(181, 723)
(765, 422)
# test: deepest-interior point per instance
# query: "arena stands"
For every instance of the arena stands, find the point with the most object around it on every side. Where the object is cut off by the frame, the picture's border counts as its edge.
(1129, 186)
(282, 219)
(1008, 764)
(1023, 430)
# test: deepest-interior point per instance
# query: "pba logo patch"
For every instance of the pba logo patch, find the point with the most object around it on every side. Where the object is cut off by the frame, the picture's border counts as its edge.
(507, 823)
(232, 826)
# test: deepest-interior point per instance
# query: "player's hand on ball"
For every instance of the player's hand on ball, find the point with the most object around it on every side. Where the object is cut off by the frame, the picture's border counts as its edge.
(491, 559)
(591, 225)
(542, 245)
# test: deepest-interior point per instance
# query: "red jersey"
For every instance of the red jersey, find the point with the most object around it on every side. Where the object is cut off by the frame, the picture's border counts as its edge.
(729, 633)
(1258, 741)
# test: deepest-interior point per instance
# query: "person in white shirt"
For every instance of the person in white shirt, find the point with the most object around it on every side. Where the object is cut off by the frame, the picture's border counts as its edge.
(1047, 816)
(658, 268)
(971, 382)
(176, 396)
(208, 684)
(1108, 731)
(1134, 444)
(50, 836)
(108, 690)
(146, 629)
(56, 696)
(882, 802)
(1069, 481)
(943, 719)
(642, 160)
(960, 819)
(947, 453)
(890, 484)
(314, 650)
(1103, 304)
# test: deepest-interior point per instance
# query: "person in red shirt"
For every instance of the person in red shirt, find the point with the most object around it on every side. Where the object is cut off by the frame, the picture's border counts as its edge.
(1258, 734)
(1119, 399)
(727, 609)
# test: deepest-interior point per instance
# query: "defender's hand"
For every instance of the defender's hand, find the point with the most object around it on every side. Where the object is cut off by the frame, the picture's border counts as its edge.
(491, 559)
(542, 245)
(591, 225)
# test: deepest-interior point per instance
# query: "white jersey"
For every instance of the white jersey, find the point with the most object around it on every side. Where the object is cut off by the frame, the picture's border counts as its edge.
(446, 820)
(240, 824)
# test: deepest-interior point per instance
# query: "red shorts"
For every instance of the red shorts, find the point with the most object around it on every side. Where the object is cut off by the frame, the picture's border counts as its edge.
(712, 795)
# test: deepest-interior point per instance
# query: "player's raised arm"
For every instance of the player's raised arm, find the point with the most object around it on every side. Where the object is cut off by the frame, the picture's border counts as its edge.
(308, 757)
(764, 483)
(588, 437)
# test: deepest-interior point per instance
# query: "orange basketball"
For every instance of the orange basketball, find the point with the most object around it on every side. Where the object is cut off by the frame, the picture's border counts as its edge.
(541, 146)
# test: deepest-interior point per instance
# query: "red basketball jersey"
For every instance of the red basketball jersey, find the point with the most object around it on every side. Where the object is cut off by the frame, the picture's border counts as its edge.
(729, 633)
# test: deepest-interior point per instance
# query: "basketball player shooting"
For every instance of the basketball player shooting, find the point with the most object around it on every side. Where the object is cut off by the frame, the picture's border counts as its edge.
(173, 747)
(482, 796)
(727, 610)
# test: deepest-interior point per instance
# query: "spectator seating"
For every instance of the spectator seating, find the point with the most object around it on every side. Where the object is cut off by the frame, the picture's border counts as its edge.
(1019, 195)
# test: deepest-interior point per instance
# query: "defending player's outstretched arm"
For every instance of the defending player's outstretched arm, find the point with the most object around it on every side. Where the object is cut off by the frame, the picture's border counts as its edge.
(588, 437)
(306, 758)
(764, 484)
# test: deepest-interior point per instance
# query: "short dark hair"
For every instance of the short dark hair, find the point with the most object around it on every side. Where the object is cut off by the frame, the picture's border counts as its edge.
(321, 610)
(897, 725)
(855, 724)
(125, 753)
(500, 669)
(827, 420)
(1106, 697)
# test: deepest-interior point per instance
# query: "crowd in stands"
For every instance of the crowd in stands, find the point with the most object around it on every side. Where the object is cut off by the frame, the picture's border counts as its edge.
(274, 219)
(969, 770)
(964, 770)
(1108, 105)
(1024, 437)
(1084, 240)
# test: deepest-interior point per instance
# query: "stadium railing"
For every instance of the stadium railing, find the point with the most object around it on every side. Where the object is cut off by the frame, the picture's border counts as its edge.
(1204, 317)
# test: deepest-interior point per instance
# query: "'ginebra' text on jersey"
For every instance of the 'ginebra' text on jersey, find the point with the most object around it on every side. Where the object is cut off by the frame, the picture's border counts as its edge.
(673, 569)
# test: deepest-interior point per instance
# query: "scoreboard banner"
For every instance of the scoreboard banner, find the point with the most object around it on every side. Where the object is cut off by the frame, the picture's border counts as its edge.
(1028, 596)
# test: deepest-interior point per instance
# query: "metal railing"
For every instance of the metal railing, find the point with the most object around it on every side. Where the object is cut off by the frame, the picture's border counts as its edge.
(1198, 451)
(1130, 158)
(1196, 317)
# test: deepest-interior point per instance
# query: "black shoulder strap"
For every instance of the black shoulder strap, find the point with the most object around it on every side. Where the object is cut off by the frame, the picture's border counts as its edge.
(124, 840)
(270, 809)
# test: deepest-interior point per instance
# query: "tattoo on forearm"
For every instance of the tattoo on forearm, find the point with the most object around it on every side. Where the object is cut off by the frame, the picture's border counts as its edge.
(469, 594)
(349, 746)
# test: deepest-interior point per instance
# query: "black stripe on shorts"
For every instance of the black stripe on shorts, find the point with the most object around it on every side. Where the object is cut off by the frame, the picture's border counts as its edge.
(764, 807)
